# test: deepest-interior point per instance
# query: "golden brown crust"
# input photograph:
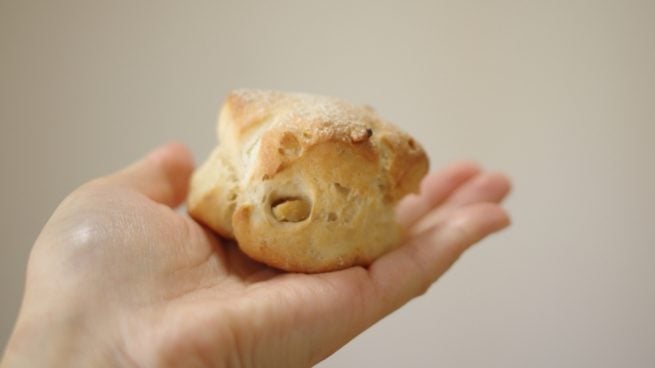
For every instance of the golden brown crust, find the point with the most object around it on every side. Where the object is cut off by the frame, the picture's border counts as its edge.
(309, 183)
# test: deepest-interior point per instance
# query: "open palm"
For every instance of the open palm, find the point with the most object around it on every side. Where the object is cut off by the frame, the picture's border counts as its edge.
(137, 283)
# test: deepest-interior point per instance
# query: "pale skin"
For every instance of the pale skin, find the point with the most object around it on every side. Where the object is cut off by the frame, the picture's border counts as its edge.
(117, 277)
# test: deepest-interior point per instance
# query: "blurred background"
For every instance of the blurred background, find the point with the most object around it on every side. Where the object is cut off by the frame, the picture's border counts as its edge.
(558, 94)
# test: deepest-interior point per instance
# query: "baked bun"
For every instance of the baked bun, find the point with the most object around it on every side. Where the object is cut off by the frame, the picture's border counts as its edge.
(305, 183)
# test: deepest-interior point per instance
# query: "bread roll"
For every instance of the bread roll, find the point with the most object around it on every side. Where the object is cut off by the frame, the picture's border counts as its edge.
(305, 183)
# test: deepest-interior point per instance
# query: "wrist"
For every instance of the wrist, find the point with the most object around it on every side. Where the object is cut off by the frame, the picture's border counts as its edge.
(63, 342)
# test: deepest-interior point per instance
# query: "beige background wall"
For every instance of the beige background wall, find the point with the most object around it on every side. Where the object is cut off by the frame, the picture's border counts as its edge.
(559, 94)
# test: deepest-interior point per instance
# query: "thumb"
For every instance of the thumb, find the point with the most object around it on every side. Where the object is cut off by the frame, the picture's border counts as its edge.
(162, 175)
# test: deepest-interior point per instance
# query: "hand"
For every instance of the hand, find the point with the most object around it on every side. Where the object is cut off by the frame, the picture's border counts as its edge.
(119, 278)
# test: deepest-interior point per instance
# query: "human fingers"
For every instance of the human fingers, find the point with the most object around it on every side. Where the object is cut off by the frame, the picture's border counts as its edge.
(487, 187)
(343, 304)
(435, 188)
(162, 175)
(409, 271)
(491, 187)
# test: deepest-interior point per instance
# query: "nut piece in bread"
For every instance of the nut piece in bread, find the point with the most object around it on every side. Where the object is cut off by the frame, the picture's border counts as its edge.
(306, 183)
